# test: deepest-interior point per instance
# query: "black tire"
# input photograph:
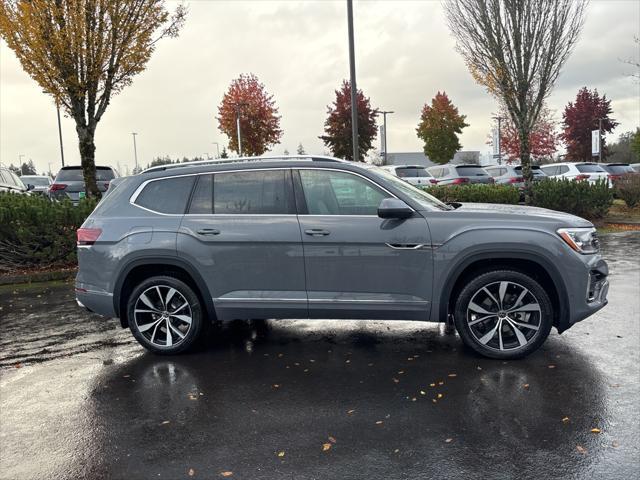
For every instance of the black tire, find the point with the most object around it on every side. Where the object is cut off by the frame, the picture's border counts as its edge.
(475, 322)
(150, 326)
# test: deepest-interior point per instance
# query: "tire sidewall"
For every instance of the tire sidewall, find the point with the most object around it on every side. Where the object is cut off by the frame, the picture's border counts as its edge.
(483, 279)
(187, 292)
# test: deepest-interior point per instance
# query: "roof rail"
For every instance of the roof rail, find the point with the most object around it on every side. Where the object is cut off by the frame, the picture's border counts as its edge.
(224, 161)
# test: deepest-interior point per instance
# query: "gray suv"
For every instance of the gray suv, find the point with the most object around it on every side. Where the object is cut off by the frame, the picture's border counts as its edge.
(176, 247)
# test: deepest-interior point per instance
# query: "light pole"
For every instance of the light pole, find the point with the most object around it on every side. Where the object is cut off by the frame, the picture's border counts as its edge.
(239, 106)
(384, 116)
(135, 150)
(354, 90)
(60, 134)
(600, 140)
(499, 119)
(217, 148)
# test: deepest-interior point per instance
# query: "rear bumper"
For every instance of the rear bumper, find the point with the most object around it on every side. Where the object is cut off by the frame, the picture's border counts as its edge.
(95, 301)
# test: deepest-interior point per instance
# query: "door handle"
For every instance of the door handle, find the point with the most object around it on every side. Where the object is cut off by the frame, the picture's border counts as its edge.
(208, 231)
(317, 232)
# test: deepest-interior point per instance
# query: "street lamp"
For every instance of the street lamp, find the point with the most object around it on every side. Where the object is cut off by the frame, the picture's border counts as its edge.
(60, 134)
(354, 91)
(384, 116)
(135, 150)
(217, 148)
(239, 106)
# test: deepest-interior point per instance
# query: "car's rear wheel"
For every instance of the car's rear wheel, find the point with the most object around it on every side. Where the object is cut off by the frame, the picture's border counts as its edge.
(165, 315)
(503, 314)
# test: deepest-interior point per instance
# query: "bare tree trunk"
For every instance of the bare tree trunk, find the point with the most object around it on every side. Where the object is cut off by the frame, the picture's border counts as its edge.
(525, 160)
(87, 158)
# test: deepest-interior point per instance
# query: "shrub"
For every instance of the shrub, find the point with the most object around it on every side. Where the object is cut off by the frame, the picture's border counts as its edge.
(475, 193)
(35, 232)
(584, 199)
(628, 189)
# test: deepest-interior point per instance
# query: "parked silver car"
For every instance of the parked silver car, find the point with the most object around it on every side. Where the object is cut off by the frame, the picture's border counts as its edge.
(10, 182)
(177, 246)
(512, 174)
(414, 174)
(578, 171)
(460, 174)
(41, 183)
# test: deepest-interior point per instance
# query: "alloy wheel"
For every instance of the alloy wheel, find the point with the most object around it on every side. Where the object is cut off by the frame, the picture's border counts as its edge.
(163, 316)
(504, 316)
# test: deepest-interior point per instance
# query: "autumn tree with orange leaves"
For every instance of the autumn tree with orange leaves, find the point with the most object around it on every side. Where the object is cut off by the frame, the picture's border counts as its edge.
(439, 127)
(259, 119)
(544, 138)
(337, 126)
(83, 52)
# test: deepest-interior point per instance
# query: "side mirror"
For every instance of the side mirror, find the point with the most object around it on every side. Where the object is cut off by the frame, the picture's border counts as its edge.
(30, 187)
(394, 208)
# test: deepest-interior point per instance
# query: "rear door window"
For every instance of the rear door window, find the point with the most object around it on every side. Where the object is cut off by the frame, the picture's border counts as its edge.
(562, 169)
(169, 195)
(550, 170)
(256, 192)
(202, 198)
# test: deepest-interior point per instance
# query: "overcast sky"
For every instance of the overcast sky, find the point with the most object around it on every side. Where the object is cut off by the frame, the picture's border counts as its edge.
(404, 55)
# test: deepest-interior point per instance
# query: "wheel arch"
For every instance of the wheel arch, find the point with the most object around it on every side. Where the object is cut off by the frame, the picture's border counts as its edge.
(542, 270)
(141, 268)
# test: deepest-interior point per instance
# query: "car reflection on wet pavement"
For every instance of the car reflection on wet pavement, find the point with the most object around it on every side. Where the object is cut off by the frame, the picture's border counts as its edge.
(317, 399)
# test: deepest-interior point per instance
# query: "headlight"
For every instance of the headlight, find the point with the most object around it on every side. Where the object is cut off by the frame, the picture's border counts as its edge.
(582, 240)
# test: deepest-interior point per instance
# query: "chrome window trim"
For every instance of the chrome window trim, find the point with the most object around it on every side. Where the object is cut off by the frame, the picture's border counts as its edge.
(137, 191)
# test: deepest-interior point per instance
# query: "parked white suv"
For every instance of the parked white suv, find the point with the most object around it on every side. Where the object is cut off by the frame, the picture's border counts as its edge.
(579, 171)
(414, 174)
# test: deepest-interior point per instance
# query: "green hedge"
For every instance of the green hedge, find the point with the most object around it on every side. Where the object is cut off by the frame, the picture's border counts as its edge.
(475, 193)
(35, 232)
(583, 199)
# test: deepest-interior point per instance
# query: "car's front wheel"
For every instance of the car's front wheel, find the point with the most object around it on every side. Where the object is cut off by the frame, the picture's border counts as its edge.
(503, 314)
(165, 315)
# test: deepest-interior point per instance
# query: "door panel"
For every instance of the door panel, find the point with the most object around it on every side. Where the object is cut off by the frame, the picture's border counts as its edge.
(362, 266)
(253, 263)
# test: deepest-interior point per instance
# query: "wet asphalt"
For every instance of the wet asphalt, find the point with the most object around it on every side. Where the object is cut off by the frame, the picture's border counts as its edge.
(317, 399)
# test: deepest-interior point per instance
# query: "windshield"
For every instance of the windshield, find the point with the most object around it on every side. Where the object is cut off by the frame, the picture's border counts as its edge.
(406, 172)
(471, 171)
(418, 195)
(36, 181)
(75, 174)
(589, 168)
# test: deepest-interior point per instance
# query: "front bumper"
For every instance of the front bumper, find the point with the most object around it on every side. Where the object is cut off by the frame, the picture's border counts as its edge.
(595, 294)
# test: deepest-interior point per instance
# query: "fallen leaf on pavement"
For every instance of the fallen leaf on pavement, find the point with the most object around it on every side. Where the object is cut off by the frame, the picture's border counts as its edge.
(551, 366)
(275, 385)
(281, 454)
(526, 385)
(379, 422)
(581, 449)
(226, 474)
(165, 422)
(432, 384)
(452, 375)
(18, 365)
(615, 444)
(440, 395)
(349, 412)
(422, 392)
(595, 430)
(413, 399)
(565, 420)
(331, 439)
(449, 440)
(395, 380)
(191, 472)
(326, 446)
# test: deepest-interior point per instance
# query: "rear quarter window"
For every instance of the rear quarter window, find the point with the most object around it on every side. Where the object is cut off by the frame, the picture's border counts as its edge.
(589, 168)
(169, 195)
(471, 171)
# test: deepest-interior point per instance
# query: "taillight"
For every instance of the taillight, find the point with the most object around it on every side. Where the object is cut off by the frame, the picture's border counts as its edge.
(88, 236)
(614, 177)
(57, 186)
(433, 181)
(579, 178)
(492, 180)
(516, 180)
(106, 185)
(459, 180)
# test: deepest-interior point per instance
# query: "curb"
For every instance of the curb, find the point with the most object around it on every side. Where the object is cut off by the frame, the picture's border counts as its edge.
(37, 277)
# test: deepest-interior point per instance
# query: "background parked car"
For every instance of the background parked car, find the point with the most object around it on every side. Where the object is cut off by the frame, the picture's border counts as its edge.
(10, 182)
(414, 174)
(69, 183)
(460, 174)
(579, 171)
(636, 167)
(512, 174)
(41, 183)
(616, 170)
